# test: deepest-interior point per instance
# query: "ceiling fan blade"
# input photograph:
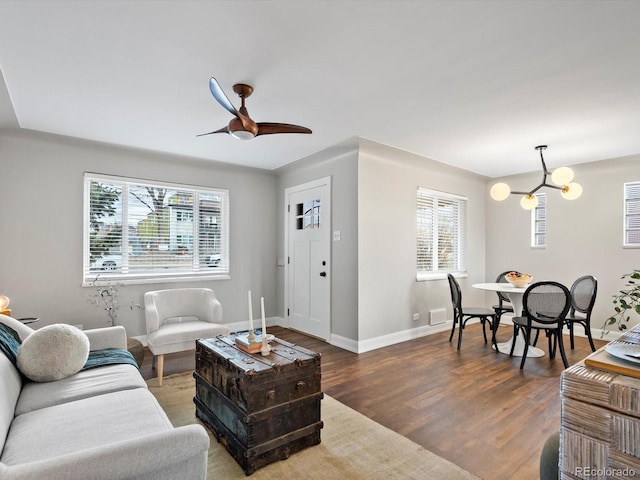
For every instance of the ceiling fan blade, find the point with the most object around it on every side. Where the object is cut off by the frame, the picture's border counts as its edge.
(222, 99)
(221, 130)
(267, 128)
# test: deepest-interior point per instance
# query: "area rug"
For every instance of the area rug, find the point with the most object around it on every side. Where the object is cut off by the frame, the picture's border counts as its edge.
(352, 447)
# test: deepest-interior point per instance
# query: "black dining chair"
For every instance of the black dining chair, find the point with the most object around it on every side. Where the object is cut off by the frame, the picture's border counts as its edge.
(461, 315)
(544, 307)
(583, 297)
(504, 304)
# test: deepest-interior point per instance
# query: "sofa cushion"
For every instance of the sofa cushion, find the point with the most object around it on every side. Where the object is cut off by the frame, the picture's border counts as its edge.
(10, 384)
(84, 384)
(53, 352)
(88, 423)
(175, 337)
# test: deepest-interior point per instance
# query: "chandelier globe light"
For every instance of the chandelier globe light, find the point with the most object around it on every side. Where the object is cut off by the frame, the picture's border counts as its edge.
(562, 178)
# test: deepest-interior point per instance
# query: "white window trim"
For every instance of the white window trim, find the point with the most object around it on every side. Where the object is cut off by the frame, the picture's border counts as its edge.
(628, 186)
(92, 279)
(442, 274)
(534, 246)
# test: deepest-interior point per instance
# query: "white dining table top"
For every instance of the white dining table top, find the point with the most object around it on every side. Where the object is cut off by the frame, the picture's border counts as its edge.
(499, 287)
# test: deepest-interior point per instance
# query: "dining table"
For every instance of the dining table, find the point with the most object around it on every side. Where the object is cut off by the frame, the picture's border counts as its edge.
(514, 294)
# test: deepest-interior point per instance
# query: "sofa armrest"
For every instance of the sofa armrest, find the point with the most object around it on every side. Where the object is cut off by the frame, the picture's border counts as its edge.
(178, 453)
(108, 337)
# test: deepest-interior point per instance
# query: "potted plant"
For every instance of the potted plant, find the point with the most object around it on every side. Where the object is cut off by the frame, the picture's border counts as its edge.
(107, 297)
(625, 302)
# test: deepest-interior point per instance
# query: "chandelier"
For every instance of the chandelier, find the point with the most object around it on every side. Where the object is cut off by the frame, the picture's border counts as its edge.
(562, 177)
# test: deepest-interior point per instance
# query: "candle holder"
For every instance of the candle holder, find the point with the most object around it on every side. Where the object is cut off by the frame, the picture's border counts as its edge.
(266, 348)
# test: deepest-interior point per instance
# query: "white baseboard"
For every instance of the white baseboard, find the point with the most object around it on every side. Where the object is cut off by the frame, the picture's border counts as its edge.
(363, 346)
(390, 339)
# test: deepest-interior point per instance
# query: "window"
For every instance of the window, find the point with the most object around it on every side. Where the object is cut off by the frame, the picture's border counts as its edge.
(539, 222)
(632, 214)
(441, 223)
(137, 231)
(308, 215)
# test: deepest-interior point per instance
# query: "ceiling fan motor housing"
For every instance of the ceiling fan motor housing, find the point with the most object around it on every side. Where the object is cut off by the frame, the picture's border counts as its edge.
(238, 130)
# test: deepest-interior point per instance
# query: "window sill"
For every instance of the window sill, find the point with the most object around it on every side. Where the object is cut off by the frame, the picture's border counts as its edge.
(427, 277)
(105, 279)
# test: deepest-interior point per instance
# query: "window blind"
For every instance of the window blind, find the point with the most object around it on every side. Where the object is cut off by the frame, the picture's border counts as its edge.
(539, 222)
(632, 214)
(440, 232)
(135, 229)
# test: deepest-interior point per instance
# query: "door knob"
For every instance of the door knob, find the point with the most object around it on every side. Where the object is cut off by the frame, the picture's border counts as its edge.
(323, 274)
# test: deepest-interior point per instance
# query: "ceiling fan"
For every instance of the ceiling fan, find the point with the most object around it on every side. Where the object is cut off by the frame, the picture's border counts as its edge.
(242, 126)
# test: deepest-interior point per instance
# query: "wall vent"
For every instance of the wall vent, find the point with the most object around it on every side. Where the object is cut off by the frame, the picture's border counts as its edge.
(438, 316)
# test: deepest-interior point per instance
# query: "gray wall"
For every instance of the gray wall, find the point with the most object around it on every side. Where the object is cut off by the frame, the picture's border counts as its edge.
(389, 294)
(584, 235)
(41, 213)
(341, 164)
(374, 287)
(374, 291)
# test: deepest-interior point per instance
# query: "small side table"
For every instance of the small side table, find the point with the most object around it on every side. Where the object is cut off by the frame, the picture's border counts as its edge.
(136, 349)
(28, 320)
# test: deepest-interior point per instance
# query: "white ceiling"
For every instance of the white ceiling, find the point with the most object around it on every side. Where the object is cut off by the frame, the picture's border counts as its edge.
(477, 84)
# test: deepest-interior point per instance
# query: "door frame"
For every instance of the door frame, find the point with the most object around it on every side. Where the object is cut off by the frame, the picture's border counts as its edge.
(287, 193)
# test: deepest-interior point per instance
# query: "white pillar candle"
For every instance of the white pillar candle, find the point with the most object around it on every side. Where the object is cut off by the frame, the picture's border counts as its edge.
(250, 313)
(251, 335)
(265, 345)
(264, 323)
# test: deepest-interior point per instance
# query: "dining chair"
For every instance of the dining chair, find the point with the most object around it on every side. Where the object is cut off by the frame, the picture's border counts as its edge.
(461, 315)
(504, 304)
(544, 306)
(583, 297)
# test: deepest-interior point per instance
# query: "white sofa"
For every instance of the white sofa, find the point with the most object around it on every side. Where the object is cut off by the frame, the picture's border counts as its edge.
(101, 423)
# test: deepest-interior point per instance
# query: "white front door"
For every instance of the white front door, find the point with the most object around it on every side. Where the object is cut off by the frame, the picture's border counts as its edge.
(308, 269)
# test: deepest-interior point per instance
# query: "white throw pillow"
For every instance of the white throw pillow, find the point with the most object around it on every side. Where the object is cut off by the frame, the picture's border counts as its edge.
(53, 352)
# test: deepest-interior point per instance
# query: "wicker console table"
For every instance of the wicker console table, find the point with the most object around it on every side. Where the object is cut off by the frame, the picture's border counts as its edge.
(600, 419)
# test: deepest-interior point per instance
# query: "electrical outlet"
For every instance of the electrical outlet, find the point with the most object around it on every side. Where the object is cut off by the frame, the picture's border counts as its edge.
(416, 317)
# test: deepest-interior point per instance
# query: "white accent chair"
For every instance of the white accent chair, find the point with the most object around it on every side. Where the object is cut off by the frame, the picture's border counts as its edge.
(176, 318)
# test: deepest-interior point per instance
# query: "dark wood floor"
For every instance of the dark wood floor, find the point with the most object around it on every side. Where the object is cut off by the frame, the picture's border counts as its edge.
(473, 407)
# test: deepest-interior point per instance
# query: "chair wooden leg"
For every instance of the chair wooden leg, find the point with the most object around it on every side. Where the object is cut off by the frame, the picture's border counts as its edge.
(571, 334)
(483, 320)
(460, 328)
(160, 369)
(513, 342)
(527, 339)
(562, 354)
(587, 331)
(453, 327)
(494, 329)
(535, 340)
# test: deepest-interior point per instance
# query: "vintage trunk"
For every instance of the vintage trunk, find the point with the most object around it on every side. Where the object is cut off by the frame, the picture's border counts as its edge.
(261, 409)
